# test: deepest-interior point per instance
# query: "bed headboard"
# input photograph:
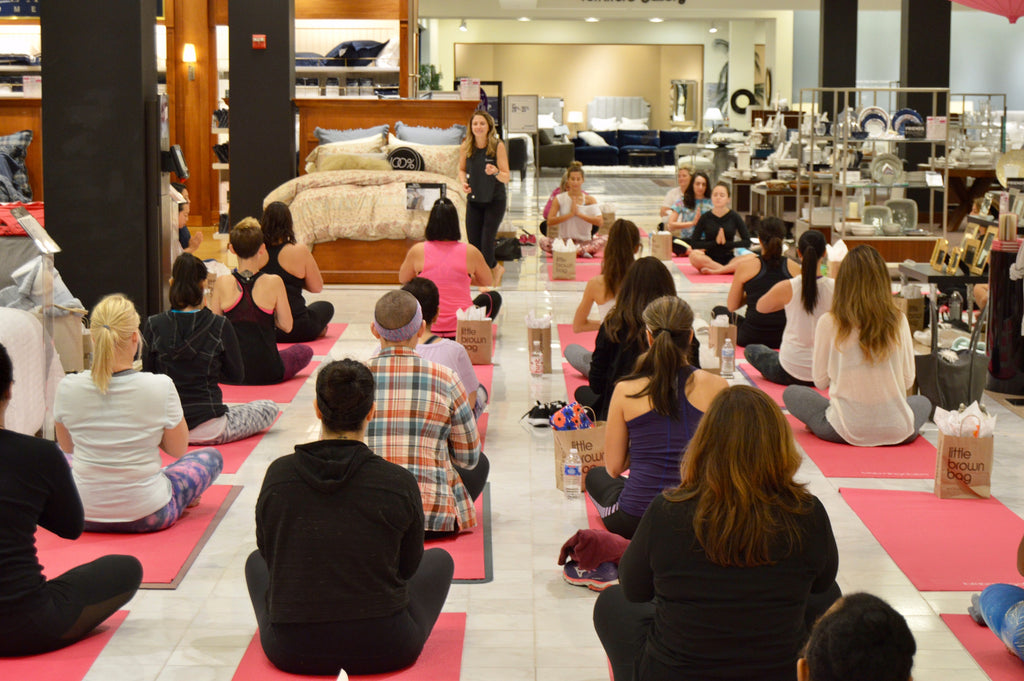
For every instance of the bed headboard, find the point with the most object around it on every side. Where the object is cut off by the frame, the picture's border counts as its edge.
(619, 107)
(553, 106)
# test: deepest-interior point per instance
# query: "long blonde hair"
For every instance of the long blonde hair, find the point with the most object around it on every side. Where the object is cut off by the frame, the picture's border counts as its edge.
(862, 303)
(469, 143)
(111, 325)
(747, 502)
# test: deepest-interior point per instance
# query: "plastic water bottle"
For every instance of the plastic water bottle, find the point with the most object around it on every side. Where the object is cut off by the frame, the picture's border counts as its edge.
(572, 474)
(728, 358)
(536, 360)
(956, 307)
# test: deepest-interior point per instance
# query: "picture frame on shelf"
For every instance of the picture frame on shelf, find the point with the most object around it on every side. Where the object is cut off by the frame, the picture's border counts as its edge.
(970, 248)
(1018, 206)
(939, 253)
(971, 231)
(984, 250)
(986, 206)
(953, 261)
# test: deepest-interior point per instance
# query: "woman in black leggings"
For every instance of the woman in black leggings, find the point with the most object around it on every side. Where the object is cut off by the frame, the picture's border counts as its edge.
(483, 172)
(39, 615)
(340, 579)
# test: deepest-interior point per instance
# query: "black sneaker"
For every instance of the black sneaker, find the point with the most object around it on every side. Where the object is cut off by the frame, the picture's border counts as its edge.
(540, 415)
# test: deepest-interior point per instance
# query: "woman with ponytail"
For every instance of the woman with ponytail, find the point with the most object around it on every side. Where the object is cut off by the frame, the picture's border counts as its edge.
(652, 415)
(113, 421)
(754, 277)
(804, 299)
(340, 579)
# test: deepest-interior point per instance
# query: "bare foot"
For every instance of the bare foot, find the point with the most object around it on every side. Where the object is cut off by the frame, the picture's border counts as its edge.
(497, 272)
(194, 502)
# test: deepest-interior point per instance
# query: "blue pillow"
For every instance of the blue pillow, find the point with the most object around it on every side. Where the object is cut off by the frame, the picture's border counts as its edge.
(423, 135)
(16, 147)
(328, 135)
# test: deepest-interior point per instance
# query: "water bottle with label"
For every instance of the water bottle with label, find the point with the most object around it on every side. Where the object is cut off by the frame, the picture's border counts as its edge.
(728, 358)
(572, 474)
(536, 360)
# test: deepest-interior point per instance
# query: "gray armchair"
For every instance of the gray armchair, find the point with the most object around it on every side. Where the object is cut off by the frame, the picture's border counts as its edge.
(553, 153)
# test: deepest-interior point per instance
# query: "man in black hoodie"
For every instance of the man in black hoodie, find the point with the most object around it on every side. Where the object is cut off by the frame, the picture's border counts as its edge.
(340, 579)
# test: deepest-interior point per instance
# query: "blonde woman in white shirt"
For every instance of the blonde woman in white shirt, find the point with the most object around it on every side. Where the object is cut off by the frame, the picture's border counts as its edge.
(863, 353)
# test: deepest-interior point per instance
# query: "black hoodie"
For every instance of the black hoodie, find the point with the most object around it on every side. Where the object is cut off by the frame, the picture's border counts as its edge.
(196, 349)
(341, 530)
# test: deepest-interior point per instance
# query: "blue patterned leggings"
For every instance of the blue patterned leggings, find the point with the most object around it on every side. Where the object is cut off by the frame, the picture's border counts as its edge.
(244, 420)
(190, 476)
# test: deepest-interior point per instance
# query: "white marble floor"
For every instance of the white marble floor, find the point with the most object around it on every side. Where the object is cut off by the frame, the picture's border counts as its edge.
(527, 623)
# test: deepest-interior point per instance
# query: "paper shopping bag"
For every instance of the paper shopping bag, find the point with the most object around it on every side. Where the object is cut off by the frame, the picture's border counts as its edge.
(589, 442)
(563, 265)
(661, 245)
(963, 468)
(717, 336)
(478, 339)
(544, 336)
(913, 308)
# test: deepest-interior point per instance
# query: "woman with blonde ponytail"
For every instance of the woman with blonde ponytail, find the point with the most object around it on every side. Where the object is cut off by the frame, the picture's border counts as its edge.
(652, 415)
(114, 420)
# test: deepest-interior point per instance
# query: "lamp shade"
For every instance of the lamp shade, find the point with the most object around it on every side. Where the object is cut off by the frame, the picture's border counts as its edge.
(574, 117)
(712, 113)
(1011, 9)
(188, 54)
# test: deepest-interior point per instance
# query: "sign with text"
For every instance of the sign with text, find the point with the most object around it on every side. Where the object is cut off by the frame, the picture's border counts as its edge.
(19, 8)
(521, 113)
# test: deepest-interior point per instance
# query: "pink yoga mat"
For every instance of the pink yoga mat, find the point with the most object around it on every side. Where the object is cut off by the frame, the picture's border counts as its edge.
(573, 380)
(281, 393)
(67, 664)
(441, 659)
(986, 649)
(594, 521)
(321, 346)
(166, 556)
(911, 461)
(234, 453)
(942, 544)
(774, 390)
(695, 277)
(586, 269)
(566, 337)
(471, 550)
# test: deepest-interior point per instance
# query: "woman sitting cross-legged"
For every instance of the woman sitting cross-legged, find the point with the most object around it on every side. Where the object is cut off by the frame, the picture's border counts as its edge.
(577, 216)
(726, 572)
(196, 348)
(600, 291)
(452, 265)
(754, 277)
(804, 299)
(299, 271)
(714, 240)
(340, 579)
(36, 490)
(653, 413)
(114, 421)
(864, 355)
(683, 215)
(256, 303)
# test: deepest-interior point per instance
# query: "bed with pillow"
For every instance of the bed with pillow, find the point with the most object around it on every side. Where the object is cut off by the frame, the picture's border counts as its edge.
(21, 150)
(349, 204)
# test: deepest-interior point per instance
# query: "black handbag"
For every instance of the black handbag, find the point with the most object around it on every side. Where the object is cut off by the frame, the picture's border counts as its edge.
(948, 384)
(507, 248)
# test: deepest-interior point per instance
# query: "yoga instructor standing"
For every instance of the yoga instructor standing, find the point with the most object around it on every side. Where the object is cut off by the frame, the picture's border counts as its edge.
(483, 172)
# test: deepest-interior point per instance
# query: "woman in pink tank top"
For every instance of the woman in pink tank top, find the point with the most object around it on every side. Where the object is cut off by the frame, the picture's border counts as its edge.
(452, 265)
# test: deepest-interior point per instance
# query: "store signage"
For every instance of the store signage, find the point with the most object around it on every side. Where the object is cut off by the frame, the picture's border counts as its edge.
(19, 8)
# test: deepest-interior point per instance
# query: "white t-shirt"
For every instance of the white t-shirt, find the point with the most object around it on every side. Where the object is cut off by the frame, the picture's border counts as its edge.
(577, 229)
(116, 464)
(796, 354)
(671, 197)
(868, 402)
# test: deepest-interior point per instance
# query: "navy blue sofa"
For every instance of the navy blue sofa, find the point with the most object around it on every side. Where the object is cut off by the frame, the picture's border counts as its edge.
(621, 143)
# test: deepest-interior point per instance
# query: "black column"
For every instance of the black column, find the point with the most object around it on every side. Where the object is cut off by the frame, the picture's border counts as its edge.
(262, 113)
(837, 57)
(101, 156)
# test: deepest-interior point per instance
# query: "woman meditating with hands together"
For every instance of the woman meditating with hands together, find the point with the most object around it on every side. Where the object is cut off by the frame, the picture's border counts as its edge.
(577, 216)
(682, 217)
(714, 237)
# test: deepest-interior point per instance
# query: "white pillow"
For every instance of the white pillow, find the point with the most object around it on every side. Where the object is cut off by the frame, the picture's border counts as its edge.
(604, 123)
(364, 145)
(633, 124)
(546, 121)
(593, 139)
(442, 159)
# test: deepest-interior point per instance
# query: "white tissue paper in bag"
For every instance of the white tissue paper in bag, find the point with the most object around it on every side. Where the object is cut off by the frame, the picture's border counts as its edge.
(471, 314)
(534, 322)
(972, 421)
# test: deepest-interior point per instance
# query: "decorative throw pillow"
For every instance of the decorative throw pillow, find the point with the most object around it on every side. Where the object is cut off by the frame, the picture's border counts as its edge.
(366, 145)
(352, 162)
(442, 159)
(356, 52)
(425, 135)
(633, 124)
(405, 158)
(604, 123)
(545, 120)
(389, 56)
(592, 138)
(328, 135)
(546, 137)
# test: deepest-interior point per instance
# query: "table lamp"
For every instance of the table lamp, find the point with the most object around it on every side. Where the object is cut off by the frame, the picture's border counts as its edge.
(713, 115)
(574, 118)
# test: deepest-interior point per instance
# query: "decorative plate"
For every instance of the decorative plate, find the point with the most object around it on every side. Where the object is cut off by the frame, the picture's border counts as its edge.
(878, 111)
(887, 169)
(905, 116)
(874, 124)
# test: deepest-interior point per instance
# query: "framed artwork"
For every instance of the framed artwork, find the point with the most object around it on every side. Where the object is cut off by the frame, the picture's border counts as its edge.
(953, 261)
(984, 250)
(971, 231)
(970, 249)
(938, 260)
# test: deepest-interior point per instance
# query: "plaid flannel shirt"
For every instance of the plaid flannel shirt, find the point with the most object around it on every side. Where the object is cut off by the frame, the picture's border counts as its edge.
(424, 423)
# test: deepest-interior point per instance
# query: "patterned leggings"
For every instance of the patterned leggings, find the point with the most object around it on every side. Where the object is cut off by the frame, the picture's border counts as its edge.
(244, 420)
(190, 476)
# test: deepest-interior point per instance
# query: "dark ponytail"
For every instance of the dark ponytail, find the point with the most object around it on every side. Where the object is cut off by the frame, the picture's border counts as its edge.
(188, 283)
(770, 233)
(670, 321)
(344, 394)
(811, 247)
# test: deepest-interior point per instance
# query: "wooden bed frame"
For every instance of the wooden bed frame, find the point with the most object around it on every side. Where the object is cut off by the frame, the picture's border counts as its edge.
(348, 261)
(19, 113)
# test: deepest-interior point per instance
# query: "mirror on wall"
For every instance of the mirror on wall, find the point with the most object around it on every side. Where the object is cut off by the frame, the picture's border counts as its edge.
(683, 100)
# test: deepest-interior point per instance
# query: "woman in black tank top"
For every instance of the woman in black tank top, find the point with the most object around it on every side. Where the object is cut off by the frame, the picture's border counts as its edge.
(483, 172)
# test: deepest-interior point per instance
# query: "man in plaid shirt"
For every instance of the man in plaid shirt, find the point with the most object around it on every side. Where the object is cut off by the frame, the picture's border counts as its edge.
(424, 422)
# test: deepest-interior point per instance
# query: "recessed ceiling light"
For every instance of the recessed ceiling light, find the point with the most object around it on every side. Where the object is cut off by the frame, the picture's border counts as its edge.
(656, 20)
(524, 18)
(592, 20)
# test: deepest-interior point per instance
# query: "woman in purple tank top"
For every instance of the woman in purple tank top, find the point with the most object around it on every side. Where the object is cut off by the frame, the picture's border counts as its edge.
(453, 266)
(652, 415)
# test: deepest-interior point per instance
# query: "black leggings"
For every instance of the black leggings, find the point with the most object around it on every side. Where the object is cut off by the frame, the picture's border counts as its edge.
(605, 491)
(69, 606)
(474, 480)
(309, 325)
(482, 222)
(361, 646)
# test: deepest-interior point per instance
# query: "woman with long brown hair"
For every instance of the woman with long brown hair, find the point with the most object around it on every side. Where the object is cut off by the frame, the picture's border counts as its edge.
(864, 355)
(600, 291)
(734, 564)
(483, 172)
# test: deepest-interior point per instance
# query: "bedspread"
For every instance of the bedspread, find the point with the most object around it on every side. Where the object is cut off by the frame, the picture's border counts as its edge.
(365, 205)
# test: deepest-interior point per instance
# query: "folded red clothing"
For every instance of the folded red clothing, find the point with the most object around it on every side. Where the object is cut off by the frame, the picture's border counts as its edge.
(9, 225)
(590, 548)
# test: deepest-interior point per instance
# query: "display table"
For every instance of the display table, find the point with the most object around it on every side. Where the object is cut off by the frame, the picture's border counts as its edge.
(770, 202)
(923, 272)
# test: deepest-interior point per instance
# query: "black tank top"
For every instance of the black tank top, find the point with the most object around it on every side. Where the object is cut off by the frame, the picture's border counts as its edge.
(771, 273)
(292, 284)
(483, 188)
(254, 328)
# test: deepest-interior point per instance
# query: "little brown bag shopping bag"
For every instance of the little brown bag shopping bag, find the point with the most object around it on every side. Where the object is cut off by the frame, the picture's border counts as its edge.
(717, 336)
(478, 339)
(542, 334)
(563, 264)
(963, 467)
(589, 442)
(661, 245)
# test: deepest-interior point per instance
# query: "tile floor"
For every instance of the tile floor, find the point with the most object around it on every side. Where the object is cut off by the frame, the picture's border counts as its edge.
(527, 623)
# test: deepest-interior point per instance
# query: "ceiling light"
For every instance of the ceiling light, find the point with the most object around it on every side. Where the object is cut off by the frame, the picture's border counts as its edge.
(462, 26)
(656, 20)
(713, 29)
(592, 20)
(524, 18)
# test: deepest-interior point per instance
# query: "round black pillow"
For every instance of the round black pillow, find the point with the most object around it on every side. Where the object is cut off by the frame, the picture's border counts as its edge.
(405, 158)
